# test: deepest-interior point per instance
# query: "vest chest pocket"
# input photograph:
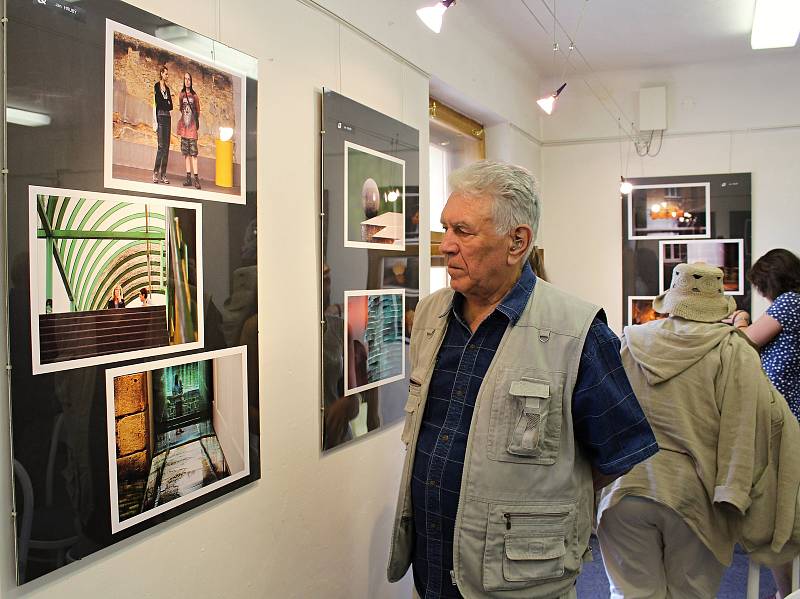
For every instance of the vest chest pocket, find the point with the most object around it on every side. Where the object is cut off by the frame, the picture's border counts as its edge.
(533, 397)
(525, 424)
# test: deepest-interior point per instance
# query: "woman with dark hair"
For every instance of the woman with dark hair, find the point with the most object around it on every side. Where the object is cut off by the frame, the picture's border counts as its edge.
(188, 127)
(776, 276)
(163, 105)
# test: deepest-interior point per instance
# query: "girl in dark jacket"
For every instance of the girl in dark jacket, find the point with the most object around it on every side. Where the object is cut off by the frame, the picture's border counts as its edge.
(163, 106)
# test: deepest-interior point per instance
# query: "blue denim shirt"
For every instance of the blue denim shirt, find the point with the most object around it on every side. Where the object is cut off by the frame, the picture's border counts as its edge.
(603, 408)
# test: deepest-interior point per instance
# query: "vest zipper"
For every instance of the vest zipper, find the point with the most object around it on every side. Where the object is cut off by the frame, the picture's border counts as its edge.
(529, 516)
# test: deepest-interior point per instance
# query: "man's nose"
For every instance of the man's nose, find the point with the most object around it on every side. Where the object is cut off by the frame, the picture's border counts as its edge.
(448, 245)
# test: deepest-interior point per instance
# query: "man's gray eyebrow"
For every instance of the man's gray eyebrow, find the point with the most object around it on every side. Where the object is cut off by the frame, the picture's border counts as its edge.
(459, 223)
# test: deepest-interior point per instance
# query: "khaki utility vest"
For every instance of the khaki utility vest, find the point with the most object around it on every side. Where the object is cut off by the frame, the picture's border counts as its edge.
(527, 501)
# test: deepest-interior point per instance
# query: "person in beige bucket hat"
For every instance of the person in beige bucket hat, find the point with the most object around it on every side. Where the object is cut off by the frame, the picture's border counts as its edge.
(696, 293)
(668, 527)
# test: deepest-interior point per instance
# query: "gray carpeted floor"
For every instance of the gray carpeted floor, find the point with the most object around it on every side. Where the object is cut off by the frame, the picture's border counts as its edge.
(593, 583)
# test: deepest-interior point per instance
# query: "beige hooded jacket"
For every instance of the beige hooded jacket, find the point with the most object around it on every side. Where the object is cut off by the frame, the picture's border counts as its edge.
(726, 438)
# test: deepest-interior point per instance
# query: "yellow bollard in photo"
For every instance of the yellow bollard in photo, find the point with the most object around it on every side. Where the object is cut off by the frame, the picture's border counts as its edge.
(224, 162)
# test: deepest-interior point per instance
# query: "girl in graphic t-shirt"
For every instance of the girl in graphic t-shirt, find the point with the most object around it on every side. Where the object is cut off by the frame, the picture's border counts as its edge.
(188, 126)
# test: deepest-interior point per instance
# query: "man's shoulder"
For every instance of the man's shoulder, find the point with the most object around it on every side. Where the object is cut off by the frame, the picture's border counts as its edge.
(557, 309)
(564, 298)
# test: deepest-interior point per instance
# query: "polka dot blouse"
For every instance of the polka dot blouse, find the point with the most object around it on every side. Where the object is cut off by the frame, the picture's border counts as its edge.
(781, 356)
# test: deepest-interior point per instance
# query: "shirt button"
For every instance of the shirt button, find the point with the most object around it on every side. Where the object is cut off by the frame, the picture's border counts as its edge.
(432, 483)
(460, 393)
(472, 347)
(445, 438)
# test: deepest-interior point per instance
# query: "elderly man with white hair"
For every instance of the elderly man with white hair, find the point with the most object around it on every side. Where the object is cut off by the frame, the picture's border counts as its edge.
(518, 409)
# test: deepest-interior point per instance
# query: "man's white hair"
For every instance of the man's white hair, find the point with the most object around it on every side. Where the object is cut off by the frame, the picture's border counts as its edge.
(513, 190)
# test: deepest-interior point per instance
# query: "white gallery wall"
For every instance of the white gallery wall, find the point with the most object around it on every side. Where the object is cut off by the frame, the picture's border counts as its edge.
(319, 526)
(313, 526)
(721, 118)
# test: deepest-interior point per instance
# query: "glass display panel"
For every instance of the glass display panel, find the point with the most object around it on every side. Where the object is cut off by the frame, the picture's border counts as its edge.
(131, 235)
(370, 267)
(670, 220)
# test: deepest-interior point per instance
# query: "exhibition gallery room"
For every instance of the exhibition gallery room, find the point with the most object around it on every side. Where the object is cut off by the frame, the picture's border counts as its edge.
(400, 299)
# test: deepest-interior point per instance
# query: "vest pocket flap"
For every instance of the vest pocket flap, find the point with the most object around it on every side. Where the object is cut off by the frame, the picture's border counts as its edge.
(534, 548)
(412, 406)
(530, 389)
(414, 399)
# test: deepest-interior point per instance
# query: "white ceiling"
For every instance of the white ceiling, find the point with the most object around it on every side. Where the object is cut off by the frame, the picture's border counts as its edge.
(621, 34)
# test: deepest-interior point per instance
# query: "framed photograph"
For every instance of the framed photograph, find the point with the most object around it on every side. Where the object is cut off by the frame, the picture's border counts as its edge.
(374, 194)
(640, 309)
(670, 210)
(112, 277)
(177, 430)
(174, 121)
(374, 349)
(726, 254)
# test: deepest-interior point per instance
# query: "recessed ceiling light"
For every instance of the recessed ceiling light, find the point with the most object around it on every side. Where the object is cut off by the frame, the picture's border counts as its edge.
(776, 24)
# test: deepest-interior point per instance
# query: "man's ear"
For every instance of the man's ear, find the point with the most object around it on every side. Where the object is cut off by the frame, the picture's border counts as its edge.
(521, 240)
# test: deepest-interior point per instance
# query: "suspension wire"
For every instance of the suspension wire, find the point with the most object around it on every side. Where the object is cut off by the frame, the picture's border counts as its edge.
(591, 70)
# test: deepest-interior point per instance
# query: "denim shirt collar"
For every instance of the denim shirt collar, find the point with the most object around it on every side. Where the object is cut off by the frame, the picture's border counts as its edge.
(512, 305)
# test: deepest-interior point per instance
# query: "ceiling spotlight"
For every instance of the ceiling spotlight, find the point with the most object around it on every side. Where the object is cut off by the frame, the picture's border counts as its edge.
(625, 187)
(548, 102)
(432, 15)
(776, 24)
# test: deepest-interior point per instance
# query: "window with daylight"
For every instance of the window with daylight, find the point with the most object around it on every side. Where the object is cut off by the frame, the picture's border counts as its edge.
(455, 141)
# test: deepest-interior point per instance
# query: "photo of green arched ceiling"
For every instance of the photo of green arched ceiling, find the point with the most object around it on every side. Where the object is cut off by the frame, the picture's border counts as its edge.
(86, 246)
(98, 244)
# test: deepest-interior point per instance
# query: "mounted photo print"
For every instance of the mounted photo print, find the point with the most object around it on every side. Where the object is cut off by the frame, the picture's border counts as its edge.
(640, 309)
(374, 351)
(726, 254)
(177, 430)
(375, 195)
(665, 211)
(112, 277)
(174, 121)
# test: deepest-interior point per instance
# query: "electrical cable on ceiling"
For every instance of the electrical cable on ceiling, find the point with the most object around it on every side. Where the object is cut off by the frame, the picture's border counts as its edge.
(643, 147)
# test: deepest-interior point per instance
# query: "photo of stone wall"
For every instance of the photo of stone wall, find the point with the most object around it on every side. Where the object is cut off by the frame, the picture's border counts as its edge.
(179, 432)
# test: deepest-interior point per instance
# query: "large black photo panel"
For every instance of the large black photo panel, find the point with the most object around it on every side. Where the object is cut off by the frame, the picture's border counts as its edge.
(682, 219)
(370, 267)
(131, 204)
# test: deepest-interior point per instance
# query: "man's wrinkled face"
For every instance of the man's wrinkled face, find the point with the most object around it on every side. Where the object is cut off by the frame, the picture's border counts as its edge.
(476, 255)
